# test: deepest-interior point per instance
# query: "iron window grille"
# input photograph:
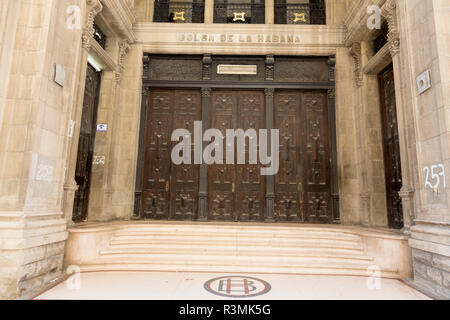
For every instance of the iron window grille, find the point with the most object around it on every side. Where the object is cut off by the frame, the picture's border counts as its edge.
(300, 12)
(179, 11)
(99, 36)
(241, 11)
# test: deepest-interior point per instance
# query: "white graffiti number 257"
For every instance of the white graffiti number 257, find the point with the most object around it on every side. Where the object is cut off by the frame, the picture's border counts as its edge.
(437, 171)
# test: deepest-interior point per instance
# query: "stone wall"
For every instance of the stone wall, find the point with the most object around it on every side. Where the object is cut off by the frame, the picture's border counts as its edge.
(425, 42)
(33, 142)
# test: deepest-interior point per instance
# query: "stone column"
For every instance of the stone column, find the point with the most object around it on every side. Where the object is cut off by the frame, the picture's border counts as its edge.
(270, 12)
(209, 11)
(140, 159)
(389, 11)
(203, 188)
(334, 157)
(270, 180)
(94, 7)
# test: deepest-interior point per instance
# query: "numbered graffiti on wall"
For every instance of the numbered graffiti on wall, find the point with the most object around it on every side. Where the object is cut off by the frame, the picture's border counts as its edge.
(434, 177)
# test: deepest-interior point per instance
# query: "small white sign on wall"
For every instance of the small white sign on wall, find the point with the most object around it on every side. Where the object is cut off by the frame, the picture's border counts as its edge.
(424, 82)
(60, 75)
(102, 127)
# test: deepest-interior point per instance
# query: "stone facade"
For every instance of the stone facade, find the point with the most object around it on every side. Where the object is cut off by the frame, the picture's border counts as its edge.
(38, 155)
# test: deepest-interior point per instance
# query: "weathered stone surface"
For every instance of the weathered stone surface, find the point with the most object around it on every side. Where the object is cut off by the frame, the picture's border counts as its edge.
(441, 262)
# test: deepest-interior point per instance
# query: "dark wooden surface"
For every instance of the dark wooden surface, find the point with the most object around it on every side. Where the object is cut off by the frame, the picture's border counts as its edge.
(169, 190)
(86, 144)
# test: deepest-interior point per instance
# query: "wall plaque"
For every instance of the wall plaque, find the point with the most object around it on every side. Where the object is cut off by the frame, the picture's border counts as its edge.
(237, 69)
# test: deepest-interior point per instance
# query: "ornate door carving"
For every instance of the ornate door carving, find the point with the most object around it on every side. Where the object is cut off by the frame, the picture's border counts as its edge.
(86, 143)
(169, 191)
(391, 149)
(236, 192)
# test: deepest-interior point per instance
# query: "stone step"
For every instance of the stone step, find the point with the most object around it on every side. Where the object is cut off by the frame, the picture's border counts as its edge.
(232, 235)
(226, 230)
(234, 252)
(221, 258)
(245, 269)
(280, 240)
(262, 248)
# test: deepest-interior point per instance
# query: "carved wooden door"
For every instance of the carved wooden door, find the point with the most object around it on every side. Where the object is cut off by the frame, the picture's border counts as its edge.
(86, 144)
(169, 190)
(391, 149)
(316, 157)
(302, 186)
(236, 191)
(288, 181)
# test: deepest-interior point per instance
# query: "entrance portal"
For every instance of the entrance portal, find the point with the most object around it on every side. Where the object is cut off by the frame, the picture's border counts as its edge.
(86, 143)
(294, 95)
(236, 192)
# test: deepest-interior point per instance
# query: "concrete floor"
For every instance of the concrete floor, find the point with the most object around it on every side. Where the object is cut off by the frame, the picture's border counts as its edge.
(190, 286)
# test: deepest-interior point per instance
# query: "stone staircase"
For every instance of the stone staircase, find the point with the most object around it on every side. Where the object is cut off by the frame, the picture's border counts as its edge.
(258, 248)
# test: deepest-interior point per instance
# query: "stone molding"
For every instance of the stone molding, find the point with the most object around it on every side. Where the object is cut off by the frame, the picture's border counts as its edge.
(102, 55)
(172, 38)
(121, 16)
(378, 62)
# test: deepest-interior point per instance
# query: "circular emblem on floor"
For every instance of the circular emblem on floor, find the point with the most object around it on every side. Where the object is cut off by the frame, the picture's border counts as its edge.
(237, 286)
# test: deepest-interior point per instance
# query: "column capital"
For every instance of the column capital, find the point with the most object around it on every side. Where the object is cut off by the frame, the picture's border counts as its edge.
(331, 93)
(206, 92)
(269, 92)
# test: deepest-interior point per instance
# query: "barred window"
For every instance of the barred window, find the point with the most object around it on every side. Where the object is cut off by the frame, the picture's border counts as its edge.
(239, 11)
(189, 11)
(300, 12)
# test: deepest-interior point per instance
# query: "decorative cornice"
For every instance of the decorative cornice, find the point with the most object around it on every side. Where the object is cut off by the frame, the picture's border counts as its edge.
(94, 7)
(355, 52)
(389, 11)
(356, 21)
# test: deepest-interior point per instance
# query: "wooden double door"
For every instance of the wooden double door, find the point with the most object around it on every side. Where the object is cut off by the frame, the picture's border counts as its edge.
(238, 192)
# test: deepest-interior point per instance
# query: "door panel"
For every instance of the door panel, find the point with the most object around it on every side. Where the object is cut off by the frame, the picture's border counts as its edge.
(222, 176)
(236, 192)
(317, 168)
(250, 191)
(391, 149)
(302, 187)
(169, 191)
(288, 197)
(86, 144)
